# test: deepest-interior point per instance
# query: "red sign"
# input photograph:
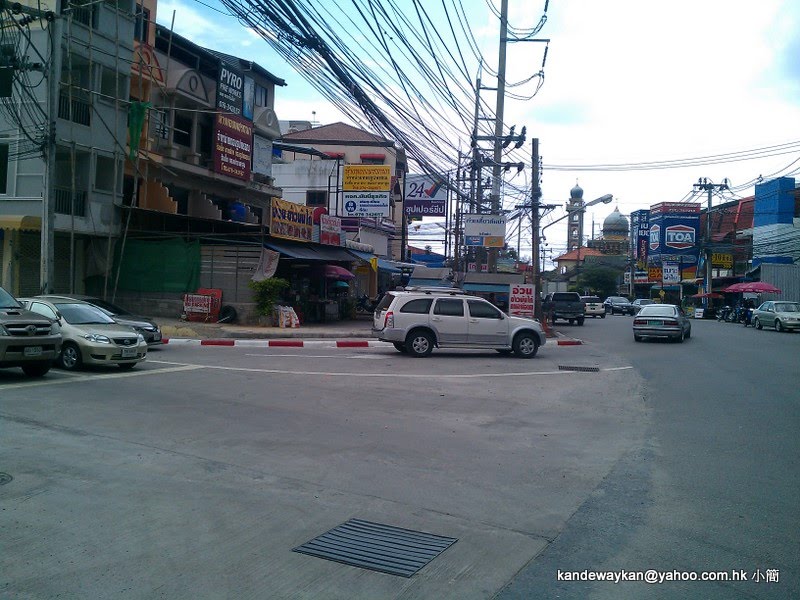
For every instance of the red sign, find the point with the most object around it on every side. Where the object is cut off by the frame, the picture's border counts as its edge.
(233, 146)
(330, 230)
(520, 300)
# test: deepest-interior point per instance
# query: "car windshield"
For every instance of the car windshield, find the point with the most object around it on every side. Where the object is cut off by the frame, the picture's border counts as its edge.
(83, 314)
(591, 299)
(617, 299)
(657, 310)
(787, 307)
(643, 302)
(7, 300)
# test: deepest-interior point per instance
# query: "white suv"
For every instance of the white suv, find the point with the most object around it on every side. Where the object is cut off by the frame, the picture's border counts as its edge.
(417, 319)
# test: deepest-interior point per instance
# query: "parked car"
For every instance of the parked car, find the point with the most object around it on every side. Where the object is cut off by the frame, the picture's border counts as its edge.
(564, 305)
(27, 340)
(144, 325)
(417, 319)
(783, 316)
(618, 304)
(639, 303)
(661, 321)
(90, 336)
(594, 306)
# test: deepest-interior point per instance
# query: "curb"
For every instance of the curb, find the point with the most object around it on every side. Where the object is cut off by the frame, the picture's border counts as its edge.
(570, 342)
(274, 343)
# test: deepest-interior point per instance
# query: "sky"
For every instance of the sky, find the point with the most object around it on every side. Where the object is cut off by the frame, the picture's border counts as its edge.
(626, 81)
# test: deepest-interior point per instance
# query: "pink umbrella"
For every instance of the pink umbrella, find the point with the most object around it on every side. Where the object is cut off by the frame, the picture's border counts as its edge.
(753, 287)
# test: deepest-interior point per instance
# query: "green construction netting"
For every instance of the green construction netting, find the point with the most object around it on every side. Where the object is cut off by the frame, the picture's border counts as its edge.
(159, 266)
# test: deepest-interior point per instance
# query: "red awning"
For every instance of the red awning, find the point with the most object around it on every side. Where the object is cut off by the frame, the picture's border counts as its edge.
(372, 156)
(335, 154)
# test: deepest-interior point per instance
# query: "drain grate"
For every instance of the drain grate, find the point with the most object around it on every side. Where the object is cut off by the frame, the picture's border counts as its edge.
(577, 368)
(5, 478)
(377, 547)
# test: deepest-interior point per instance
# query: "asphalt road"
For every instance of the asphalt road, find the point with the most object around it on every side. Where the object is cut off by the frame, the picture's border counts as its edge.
(195, 475)
(713, 488)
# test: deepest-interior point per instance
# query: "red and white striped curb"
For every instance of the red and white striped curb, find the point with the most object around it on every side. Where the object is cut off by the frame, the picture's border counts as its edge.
(276, 343)
(302, 343)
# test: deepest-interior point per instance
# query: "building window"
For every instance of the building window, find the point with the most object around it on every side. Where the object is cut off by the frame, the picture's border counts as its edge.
(112, 84)
(104, 174)
(141, 27)
(159, 121)
(316, 198)
(261, 96)
(182, 133)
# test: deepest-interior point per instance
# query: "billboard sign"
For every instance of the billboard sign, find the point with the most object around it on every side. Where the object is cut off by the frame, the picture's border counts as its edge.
(655, 237)
(367, 178)
(230, 90)
(680, 237)
(670, 272)
(426, 196)
(485, 230)
(415, 207)
(520, 300)
(233, 146)
(366, 204)
(291, 221)
(674, 233)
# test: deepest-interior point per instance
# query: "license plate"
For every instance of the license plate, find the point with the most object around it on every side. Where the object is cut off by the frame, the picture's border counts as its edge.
(129, 353)
(33, 351)
(655, 322)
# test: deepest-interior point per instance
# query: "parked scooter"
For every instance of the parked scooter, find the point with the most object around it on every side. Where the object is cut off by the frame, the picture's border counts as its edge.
(364, 305)
(724, 312)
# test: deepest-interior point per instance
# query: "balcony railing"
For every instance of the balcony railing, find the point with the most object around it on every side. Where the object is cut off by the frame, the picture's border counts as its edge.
(63, 202)
(80, 112)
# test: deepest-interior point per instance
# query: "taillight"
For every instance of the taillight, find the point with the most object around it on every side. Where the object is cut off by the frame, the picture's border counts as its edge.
(388, 321)
(639, 322)
(671, 322)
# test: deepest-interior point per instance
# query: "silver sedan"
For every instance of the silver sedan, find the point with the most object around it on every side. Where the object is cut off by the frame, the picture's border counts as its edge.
(661, 321)
(783, 316)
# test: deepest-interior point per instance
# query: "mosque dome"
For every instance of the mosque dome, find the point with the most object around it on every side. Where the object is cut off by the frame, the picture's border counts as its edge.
(576, 193)
(615, 223)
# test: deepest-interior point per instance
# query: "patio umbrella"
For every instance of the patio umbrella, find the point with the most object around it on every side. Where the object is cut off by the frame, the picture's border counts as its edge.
(707, 295)
(753, 287)
(337, 272)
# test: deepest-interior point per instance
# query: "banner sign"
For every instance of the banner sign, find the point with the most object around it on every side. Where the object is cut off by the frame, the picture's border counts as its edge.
(670, 272)
(290, 221)
(366, 204)
(367, 178)
(233, 146)
(267, 265)
(330, 230)
(640, 236)
(674, 233)
(230, 90)
(426, 196)
(641, 277)
(520, 300)
(485, 230)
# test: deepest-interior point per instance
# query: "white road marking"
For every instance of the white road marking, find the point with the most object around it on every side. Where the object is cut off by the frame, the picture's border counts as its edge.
(394, 375)
(80, 377)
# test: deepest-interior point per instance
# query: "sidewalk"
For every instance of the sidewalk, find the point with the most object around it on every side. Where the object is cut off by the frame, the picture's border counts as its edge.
(179, 329)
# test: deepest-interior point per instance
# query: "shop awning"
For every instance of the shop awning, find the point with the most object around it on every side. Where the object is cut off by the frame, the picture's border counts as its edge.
(388, 266)
(486, 287)
(315, 252)
(21, 222)
(365, 256)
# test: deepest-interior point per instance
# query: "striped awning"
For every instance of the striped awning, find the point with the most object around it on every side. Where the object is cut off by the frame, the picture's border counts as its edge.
(21, 222)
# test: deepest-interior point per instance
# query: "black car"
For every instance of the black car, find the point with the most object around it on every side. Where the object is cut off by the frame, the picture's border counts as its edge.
(144, 325)
(618, 305)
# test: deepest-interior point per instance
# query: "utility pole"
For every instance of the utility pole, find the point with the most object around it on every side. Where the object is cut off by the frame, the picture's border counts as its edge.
(498, 125)
(707, 186)
(536, 195)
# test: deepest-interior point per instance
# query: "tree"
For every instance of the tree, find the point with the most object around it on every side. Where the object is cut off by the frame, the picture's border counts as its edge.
(600, 281)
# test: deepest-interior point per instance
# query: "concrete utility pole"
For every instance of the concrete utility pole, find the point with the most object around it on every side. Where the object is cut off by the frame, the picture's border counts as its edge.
(498, 126)
(708, 187)
(536, 196)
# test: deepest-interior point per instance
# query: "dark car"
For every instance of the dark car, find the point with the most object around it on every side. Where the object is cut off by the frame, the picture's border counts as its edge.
(618, 305)
(144, 325)
(639, 303)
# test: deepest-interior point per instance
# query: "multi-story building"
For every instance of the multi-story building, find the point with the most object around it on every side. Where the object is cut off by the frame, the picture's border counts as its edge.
(63, 128)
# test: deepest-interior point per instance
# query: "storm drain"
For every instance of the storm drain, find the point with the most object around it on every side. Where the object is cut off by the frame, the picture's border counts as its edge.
(578, 368)
(377, 547)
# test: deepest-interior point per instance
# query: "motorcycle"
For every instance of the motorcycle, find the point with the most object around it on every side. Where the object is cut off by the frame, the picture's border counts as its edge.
(723, 313)
(364, 305)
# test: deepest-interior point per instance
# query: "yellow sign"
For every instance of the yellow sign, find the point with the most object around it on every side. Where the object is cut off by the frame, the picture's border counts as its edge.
(290, 221)
(494, 241)
(367, 178)
(655, 273)
(724, 261)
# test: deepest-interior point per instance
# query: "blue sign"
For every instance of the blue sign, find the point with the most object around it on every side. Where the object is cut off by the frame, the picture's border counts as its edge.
(473, 240)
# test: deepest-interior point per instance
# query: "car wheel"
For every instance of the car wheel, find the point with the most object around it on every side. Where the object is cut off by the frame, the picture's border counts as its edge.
(688, 333)
(36, 369)
(525, 345)
(400, 347)
(603, 316)
(571, 321)
(580, 321)
(126, 366)
(681, 337)
(778, 326)
(757, 324)
(70, 358)
(419, 343)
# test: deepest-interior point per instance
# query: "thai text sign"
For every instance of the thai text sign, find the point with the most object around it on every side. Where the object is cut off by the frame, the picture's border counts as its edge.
(290, 221)
(330, 230)
(233, 146)
(426, 196)
(520, 300)
(485, 230)
(424, 208)
(366, 204)
(722, 260)
(367, 178)
(671, 273)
